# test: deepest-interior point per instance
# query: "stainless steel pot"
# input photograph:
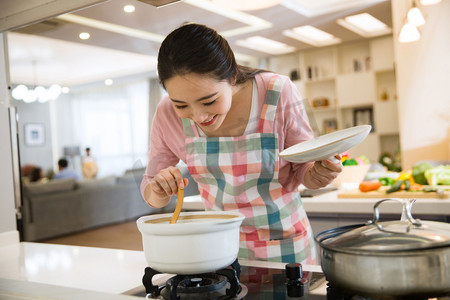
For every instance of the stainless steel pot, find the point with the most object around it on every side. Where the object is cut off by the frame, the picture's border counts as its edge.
(406, 257)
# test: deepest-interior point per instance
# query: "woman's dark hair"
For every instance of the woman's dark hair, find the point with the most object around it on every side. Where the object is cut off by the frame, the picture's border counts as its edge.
(196, 48)
(36, 174)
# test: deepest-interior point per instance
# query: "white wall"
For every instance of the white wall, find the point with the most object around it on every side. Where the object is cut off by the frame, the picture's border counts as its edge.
(37, 113)
(423, 83)
(8, 232)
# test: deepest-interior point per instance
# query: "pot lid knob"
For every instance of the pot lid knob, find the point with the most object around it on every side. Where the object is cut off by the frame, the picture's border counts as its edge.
(294, 285)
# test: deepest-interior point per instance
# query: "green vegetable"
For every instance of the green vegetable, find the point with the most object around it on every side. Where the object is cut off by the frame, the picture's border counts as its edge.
(350, 162)
(418, 172)
(395, 187)
(407, 185)
(386, 181)
(392, 164)
(429, 189)
(438, 175)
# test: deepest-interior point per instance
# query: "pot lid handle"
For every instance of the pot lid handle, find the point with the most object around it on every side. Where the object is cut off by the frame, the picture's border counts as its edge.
(406, 213)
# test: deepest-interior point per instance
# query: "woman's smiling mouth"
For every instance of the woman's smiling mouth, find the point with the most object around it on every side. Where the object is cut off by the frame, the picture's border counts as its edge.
(209, 121)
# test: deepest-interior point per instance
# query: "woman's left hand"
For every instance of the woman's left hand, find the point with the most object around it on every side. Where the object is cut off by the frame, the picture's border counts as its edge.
(322, 173)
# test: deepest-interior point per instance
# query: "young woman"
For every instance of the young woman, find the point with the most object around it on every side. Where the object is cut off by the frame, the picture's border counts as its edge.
(228, 123)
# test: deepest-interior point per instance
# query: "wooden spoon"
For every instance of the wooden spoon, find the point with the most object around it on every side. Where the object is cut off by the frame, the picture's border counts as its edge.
(177, 211)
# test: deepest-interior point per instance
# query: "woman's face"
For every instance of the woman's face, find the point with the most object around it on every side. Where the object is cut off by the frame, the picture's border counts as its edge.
(200, 98)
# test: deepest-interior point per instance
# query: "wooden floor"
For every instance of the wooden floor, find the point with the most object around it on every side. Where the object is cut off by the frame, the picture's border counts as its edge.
(118, 236)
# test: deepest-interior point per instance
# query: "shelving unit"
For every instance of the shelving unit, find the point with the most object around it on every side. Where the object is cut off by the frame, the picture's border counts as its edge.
(358, 82)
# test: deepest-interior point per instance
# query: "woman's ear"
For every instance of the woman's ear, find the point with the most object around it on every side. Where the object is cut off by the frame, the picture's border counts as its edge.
(233, 80)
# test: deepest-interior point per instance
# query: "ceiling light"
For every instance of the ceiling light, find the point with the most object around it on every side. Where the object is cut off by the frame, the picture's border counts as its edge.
(409, 33)
(254, 23)
(112, 27)
(312, 35)
(84, 35)
(247, 4)
(265, 45)
(65, 90)
(108, 81)
(129, 8)
(39, 93)
(19, 91)
(429, 2)
(365, 25)
(415, 16)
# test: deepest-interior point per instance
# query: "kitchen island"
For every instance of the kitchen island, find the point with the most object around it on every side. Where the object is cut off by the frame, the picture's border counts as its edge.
(43, 271)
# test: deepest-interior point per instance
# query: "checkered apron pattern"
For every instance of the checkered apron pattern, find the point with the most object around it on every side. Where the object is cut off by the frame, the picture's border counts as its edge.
(241, 173)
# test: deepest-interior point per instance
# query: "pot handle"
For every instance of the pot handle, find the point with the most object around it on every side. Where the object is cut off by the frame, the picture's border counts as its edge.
(406, 212)
(334, 232)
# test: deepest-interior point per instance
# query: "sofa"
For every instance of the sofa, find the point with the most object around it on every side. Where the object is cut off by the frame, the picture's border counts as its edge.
(66, 206)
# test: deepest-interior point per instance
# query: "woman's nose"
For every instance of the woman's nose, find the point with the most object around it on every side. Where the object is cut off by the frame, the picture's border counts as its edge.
(199, 116)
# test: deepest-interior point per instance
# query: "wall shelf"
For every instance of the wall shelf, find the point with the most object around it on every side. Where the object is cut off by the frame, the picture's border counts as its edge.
(354, 77)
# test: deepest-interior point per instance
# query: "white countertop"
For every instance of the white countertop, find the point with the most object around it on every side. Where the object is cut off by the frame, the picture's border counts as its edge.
(36, 270)
(88, 268)
(329, 203)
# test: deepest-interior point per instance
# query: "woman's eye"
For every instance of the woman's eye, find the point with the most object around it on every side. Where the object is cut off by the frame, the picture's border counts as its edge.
(209, 103)
(180, 106)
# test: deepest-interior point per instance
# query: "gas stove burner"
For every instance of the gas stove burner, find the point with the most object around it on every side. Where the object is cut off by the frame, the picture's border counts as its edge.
(218, 285)
(202, 286)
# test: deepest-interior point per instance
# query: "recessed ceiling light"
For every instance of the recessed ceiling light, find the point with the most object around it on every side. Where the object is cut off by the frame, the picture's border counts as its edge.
(129, 8)
(254, 23)
(365, 25)
(65, 90)
(265, 45)
(248, 4)
(429, 2)
(84, 35)
(312, 35)
(108, 81)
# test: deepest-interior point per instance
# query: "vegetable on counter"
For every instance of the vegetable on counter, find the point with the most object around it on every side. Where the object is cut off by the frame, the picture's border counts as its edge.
(418, 172)
(395, 187)
(386, 181)
(415, 187)
(367, 186)
(349, 162)
(438, 175)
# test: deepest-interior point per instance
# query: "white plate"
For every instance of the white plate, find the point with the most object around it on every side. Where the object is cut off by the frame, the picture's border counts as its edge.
(326, 146)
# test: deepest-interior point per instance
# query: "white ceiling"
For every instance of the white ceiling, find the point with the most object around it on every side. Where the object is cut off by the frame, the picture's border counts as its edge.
(123, 44)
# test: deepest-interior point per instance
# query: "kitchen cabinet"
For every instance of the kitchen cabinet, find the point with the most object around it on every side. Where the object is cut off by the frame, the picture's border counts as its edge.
(355, 89)
(348, 85)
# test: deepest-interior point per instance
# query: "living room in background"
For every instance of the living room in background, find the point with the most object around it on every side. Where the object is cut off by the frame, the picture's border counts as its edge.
(111, 120)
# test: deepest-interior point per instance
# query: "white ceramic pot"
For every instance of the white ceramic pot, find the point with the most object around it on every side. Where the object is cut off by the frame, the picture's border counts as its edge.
(199, 242)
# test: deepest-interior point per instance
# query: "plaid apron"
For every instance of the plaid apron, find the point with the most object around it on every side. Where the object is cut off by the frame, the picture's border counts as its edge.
(241, 173)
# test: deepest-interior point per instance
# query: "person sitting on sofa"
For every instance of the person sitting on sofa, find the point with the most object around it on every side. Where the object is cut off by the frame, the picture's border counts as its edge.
(64, 171)
(37, 175)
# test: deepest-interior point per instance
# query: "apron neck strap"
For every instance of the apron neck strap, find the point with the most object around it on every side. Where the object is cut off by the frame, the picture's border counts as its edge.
(270, 104)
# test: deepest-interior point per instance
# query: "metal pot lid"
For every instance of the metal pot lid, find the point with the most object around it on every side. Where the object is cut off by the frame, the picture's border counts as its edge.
(406, 234)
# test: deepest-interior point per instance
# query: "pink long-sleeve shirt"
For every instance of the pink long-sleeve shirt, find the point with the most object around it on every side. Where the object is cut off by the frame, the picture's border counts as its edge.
(291, 124)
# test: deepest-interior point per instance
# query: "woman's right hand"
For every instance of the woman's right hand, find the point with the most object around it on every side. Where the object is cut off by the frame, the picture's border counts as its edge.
(167, 182)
